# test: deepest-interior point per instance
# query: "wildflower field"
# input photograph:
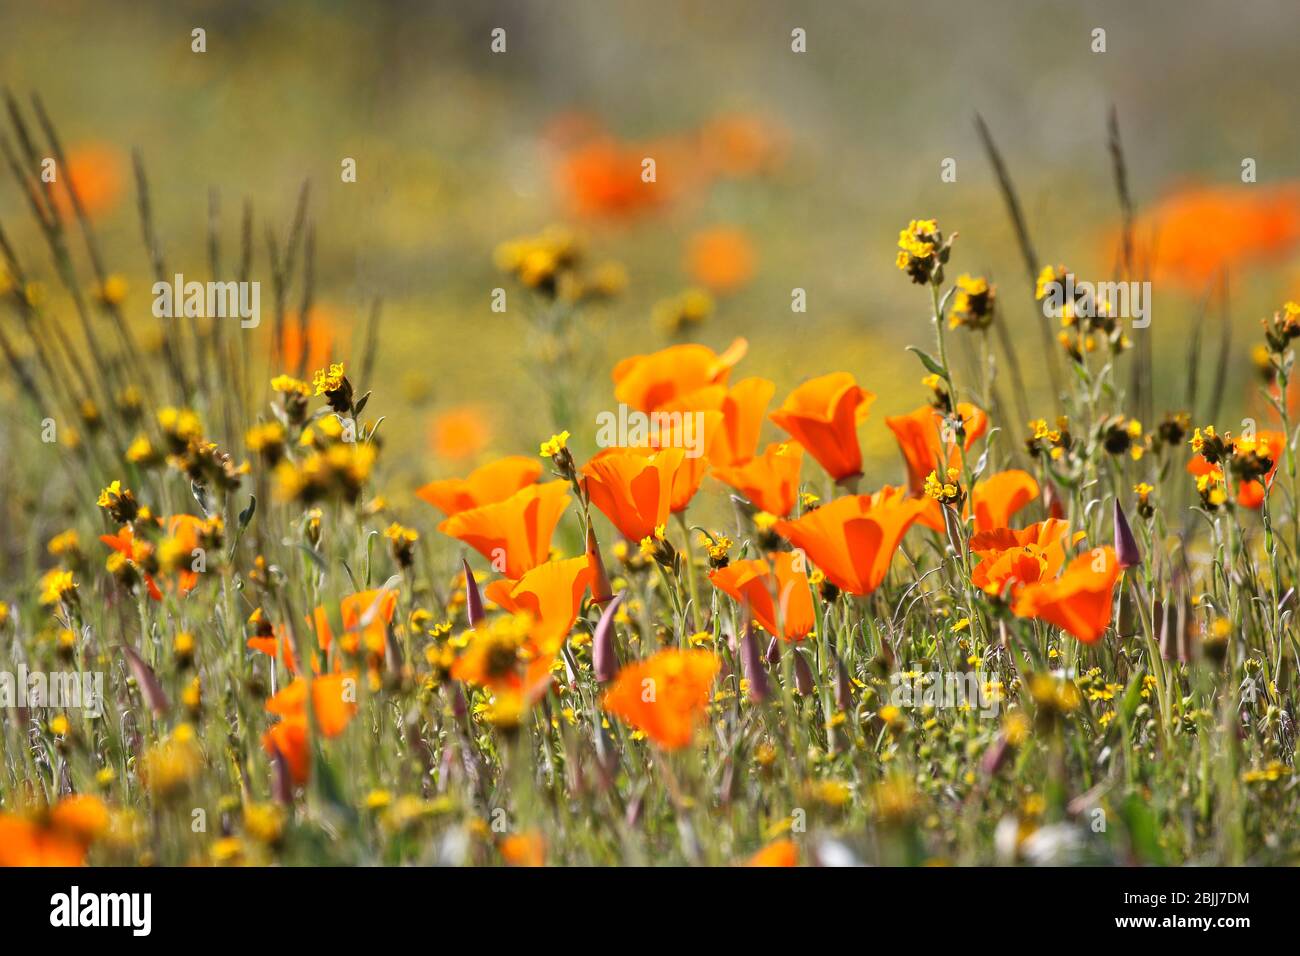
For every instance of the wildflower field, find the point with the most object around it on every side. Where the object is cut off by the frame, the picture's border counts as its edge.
(1007, 578)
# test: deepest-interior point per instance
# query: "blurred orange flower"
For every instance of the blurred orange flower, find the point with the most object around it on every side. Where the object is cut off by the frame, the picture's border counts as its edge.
(823, 416)
(739, 144)
(1192, 235)
(1080, 601)
(493, 482)
(771, 481)
(97, 171)
(333, 700)
(366, 616)
(459, 432)
(60, 837)
(634, 490)
(514, 534)
(779, 583)
(602, 178)
(853, 540)
(780, 853)
(647, 382)
(312, 347)
(721, 259)
(665, 696)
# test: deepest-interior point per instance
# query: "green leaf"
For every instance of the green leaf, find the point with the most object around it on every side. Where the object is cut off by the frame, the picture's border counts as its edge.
(930, 363)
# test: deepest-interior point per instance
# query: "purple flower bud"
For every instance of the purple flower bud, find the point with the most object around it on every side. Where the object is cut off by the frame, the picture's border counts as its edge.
(773, 655)
(843, 687)
(1126, 546)
(473, 600)
(600, 589)
(803, 677)
(752, 665)
(604, 661)
(145, 679)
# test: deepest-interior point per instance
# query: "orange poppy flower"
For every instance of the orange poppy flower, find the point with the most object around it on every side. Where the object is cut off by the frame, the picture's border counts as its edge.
(777, 584)
(551, 594)
(743, 407)
(632, 489)
(486, 485)
(931, 516)
(852, 541)
(822, 415)
(918, 434)
(1250, 494)
(1001, 495)
(1080, 601)
(333, 699)
(780, 853)
(665, 696)
(694, 439)
(270, 646)
(646, 382)
(288, 738)
(1014, 558)
(514, 534)
(97, 171)
(771, 481)
(720, 259)
(1191, 236)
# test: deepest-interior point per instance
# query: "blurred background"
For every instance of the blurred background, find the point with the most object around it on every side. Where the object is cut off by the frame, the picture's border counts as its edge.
(775, 170)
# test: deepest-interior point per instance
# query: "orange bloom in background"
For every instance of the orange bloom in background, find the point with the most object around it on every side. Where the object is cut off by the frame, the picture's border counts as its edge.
(738, 145)
(1192, 235)
(743, 408)
(771, 481)
(524, 849)
(647, 382)
(311, 347)
(486, 485)
(779, 583)
(270, 646)
(551, 594)
(1015, 558)
(634, 490)
(721, 259)
(366, 616)
(181, 532)
(823, 415)
(1001, 495)
(851, 540)
(460, 432)
(1250, 494)
(333, 701)
(515, 532)
(1080, 601)
(601, 179)
(780, 853)
(97, 171)
(918, 435)
(665, 696)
